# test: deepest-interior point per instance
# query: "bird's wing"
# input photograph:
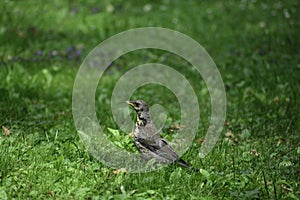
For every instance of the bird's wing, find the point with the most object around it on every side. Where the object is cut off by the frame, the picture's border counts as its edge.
(148, 131)
(160, 147)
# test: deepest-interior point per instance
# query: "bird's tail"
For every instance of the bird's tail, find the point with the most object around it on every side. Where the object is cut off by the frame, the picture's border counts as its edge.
(182, 163)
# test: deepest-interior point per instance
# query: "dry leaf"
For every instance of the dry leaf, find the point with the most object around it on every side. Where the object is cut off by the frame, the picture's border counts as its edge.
(119, 171)
(286, 188)
(229, 134)
(84, 166)
(212, 127)
(62, 113)
(254, 152)
(131, 135)
(227, 123)
(280, 141)
(51, 193)
(200, 140)
(262, 24)
(175, 126)
(6, 131)
(276, 100)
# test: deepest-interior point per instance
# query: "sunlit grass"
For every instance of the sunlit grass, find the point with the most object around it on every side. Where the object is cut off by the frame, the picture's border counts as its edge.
(255, 46)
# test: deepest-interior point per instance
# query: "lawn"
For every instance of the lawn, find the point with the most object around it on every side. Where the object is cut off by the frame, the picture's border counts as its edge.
(255, 45)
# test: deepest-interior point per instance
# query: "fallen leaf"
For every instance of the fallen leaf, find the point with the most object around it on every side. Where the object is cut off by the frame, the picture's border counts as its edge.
(175, 126)
(229, 134)
(131, 135)
(200, 140)
(119, 171)
(235, 140)
(276, 100)
(227, 123)
(212, 127)
(6, 131)
(286, 188)
(84, 166)
(51, 193)
(262, 24)
(280, 141)
(254, 152)
(62, 113)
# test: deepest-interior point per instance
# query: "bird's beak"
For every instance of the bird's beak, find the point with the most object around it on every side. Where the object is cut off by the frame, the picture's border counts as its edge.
(130, 103)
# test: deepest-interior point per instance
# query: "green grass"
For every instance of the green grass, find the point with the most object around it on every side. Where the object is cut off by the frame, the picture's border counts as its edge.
(255, 46)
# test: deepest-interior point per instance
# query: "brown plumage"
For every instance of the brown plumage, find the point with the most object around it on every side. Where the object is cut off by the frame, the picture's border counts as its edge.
(148, 140)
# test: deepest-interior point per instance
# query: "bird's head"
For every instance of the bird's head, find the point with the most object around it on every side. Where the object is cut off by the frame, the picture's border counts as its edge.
(138, 105)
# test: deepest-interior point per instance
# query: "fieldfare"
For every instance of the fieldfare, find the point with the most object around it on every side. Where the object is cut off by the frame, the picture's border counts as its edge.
(148, 140)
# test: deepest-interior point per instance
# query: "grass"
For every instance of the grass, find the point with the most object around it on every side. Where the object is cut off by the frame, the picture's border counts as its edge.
(255, 46)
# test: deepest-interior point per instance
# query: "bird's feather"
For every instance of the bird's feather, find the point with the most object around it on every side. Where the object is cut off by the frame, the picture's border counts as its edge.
(148, 140)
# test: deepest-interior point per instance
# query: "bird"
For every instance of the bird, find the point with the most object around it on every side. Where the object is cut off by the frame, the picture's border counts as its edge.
(148, 140)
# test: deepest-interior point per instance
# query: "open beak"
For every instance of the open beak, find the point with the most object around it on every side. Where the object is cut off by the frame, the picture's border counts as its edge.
(130, 103)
